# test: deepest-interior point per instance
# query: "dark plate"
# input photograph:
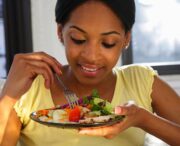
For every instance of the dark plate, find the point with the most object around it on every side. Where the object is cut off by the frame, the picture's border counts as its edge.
(75, 125)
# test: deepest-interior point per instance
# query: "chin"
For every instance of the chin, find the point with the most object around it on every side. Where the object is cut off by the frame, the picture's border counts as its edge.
(89, 77)
(88, 81)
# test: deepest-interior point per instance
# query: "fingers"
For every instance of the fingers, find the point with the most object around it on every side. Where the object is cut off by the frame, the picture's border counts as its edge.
(126, 109)
(37, 63)
(103, 131)
(37, 67)
(108, 132)
(129, 110)
(43, 57)
(25, 68)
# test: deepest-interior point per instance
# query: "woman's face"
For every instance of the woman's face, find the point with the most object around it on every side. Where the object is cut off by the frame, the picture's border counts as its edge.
(94, 38)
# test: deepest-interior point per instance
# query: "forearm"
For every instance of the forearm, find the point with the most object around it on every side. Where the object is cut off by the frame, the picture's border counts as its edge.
(6, 109)
(162, 128)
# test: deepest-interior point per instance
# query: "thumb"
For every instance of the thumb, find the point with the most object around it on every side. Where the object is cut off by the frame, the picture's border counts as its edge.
(125, 109)
(121, 110)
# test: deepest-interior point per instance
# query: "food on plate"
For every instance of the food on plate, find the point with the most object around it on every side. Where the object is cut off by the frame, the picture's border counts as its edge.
(91, 109)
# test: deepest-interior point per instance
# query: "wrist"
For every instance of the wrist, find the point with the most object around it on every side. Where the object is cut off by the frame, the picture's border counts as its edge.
(145, 117)
(9, 93)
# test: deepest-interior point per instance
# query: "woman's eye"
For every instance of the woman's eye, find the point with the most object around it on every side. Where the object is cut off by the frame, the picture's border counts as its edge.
(77, 41)
(106, 45)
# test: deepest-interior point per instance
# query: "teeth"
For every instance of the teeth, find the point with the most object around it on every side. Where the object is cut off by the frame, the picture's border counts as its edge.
(90, 69)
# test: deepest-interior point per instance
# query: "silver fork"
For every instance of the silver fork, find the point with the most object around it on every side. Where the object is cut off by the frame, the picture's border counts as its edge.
(70, 96)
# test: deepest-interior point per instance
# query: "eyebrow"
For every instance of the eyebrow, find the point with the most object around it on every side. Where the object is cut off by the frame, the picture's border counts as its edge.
(105, 33)
(73, 26)
(111, 32)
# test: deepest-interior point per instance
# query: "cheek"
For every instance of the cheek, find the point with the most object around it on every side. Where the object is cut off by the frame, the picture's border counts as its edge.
(113, 60)
(69, 48)
(113, 57)
(71, 52)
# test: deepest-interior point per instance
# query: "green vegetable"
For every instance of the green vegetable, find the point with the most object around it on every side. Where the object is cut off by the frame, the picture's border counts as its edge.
(108, 107)
(98, 104)
(85, 100)
(95, 94)
(95, 113)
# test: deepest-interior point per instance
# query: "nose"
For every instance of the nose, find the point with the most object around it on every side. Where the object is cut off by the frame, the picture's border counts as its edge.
(91, 51)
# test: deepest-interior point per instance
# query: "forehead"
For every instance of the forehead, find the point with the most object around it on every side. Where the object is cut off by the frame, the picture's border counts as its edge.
(95, 15)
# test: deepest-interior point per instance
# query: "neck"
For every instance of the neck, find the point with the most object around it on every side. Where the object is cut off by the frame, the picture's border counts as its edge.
(105, 88)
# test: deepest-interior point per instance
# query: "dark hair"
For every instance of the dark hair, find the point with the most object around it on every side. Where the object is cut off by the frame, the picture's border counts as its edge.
(124, 9)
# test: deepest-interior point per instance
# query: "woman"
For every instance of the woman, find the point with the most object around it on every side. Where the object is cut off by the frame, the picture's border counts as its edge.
(94, 33)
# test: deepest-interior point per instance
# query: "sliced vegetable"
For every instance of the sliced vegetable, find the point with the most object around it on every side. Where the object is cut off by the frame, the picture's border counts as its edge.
(43, 112)
(74, 114)
(91, 109)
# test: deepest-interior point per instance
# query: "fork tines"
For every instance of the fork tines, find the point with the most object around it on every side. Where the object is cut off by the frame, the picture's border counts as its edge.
(71, 98)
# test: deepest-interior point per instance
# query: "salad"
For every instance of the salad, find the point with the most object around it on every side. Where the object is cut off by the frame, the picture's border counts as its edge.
(91, 109)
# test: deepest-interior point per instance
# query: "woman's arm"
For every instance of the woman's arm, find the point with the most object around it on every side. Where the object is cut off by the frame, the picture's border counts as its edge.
(24, 69)
(166, 126)
(10, 124)
(165, 101)
(166, 104)
(165, 123)
(162, 128)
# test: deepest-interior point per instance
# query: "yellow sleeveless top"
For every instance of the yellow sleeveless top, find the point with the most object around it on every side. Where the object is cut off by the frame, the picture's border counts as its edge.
(133, 83)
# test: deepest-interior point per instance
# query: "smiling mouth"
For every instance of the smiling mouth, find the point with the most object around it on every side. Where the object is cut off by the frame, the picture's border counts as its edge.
(89, 69)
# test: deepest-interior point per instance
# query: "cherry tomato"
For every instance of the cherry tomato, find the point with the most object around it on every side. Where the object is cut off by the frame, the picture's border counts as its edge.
(74, 114)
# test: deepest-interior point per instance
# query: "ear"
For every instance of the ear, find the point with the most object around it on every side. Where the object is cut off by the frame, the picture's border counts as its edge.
(59, 33)
(127, 39)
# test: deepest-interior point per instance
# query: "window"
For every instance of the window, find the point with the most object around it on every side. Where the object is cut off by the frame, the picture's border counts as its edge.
(156, 35)
(2, 44)
(17, 28)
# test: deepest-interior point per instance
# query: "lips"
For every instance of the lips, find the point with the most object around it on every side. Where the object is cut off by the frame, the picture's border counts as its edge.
(89, 69)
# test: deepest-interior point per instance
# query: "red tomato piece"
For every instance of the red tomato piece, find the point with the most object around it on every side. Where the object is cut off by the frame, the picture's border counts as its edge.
(43, 112)
(74, 114)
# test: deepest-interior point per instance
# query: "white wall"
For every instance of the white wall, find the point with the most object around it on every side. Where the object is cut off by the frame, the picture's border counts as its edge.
(44, 29)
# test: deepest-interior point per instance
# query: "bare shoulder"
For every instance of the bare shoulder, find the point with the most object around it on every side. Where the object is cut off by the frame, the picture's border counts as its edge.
(161, 87)
(165, 100)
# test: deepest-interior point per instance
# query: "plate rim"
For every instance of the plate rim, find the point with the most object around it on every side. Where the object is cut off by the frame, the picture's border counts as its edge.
(75, 125)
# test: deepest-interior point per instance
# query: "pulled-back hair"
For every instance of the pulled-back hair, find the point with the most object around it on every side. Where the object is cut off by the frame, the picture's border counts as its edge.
(124, 9)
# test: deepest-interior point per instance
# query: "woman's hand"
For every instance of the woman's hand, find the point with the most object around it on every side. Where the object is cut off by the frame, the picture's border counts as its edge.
(25, 68)
(133, 117)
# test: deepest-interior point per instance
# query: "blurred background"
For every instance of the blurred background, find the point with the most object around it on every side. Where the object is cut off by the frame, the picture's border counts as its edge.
(29, 25)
